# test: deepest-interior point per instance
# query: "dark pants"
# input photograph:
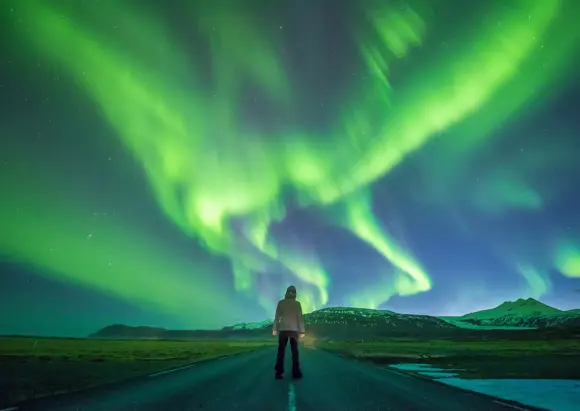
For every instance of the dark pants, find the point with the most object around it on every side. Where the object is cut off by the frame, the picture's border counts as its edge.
(283, 337)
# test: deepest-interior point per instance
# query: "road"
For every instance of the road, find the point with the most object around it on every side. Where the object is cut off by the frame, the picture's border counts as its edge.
(246, 382)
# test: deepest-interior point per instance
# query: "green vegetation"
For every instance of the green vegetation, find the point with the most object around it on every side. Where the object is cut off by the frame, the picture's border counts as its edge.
(36, 367)
(473, 359)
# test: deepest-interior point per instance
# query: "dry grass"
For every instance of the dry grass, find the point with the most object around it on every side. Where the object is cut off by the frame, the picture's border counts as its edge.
(118, 350)
(35, 367)
(449, 347)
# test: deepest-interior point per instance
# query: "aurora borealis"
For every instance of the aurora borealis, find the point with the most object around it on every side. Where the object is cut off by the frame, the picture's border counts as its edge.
(181, 164)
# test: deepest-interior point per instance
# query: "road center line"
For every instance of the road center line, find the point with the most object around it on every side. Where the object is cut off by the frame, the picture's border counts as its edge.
(291, 397)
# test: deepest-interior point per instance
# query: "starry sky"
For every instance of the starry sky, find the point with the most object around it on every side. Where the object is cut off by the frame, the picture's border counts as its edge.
(179, 163)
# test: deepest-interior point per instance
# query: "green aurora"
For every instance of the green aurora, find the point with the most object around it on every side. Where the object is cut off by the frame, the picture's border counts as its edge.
(223, 183)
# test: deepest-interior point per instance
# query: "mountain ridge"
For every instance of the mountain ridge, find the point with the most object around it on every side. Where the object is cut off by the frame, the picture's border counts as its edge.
(521, 313)
(351, 322)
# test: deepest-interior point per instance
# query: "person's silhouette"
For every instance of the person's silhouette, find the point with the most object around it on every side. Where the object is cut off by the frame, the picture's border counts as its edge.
(288, 325)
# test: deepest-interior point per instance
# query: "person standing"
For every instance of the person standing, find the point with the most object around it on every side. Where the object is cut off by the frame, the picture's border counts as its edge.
(288, 325)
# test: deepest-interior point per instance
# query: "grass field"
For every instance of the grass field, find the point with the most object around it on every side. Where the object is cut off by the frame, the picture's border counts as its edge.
(35, 367)
(481, 359)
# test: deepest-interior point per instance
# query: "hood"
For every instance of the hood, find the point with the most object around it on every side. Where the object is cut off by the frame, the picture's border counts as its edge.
(290, 292)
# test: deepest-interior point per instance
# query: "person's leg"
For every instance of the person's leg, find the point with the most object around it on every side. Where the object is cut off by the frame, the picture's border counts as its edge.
(296, 372)
(282, 342)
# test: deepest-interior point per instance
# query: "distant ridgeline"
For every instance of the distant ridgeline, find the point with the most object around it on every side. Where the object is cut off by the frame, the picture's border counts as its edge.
(528, 316)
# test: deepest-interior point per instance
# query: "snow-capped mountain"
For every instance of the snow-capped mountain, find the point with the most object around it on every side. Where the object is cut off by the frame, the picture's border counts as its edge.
(519, 308)
(371, 318)
(361, 323)
(250, 326)
(522, 313)
(348, 321)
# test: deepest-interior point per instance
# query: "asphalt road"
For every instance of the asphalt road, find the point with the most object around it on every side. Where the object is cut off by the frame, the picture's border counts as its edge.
(246, 382)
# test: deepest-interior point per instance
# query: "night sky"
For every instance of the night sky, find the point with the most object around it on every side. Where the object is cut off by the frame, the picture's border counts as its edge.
(179, 163)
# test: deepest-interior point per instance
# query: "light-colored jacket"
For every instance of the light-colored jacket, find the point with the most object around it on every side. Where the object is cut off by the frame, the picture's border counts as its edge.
(289, 316)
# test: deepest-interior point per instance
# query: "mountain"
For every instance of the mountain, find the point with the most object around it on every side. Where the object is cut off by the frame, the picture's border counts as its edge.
(522, 313)
(362, 323)
(519, 308)
(249, 326)
(337, 322)
(347, 322)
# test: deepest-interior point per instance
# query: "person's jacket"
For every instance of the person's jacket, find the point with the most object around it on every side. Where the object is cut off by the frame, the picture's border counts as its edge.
(289, 316)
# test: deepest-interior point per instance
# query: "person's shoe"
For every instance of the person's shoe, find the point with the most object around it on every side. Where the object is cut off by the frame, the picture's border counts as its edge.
(279, 376)
(297, 375)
